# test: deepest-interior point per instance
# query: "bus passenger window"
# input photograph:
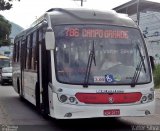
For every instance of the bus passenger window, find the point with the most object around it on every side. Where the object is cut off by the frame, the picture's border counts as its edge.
(34, 47)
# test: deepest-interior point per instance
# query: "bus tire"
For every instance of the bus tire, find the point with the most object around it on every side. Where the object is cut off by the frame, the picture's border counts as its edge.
(2, 82)
(44, 106)
(18, 87)
(44, 111)
(20, 92)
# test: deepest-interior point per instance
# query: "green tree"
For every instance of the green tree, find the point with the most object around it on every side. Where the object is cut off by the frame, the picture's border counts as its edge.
(5, 30)
(6, 4)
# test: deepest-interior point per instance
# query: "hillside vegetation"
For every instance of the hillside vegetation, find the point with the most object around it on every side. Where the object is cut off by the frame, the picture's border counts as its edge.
(8, 31)
(156, 74)
(5, 30)
(16, 29)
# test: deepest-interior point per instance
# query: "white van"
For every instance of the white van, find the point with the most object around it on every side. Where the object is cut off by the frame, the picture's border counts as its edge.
(6, 75)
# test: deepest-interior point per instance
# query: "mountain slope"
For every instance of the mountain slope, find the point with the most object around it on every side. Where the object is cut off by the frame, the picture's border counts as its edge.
(16, 29)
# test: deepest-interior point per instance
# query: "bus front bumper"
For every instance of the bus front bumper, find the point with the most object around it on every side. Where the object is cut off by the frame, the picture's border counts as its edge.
(67, 111)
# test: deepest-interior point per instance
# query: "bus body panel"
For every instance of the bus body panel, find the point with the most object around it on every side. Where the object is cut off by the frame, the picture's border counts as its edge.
(60, 110)
(30, 79)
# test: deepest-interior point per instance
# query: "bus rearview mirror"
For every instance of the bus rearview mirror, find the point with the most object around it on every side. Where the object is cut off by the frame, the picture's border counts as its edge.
(50, 39)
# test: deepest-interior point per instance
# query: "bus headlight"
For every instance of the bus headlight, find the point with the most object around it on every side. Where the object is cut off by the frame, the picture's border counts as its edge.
(67, 99)
(150, 97)
(63, 98)
(72, 99)
(144, 98)
(147, 98)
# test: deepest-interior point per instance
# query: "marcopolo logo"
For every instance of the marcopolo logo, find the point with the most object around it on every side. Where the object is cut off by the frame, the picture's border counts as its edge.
(110, 100)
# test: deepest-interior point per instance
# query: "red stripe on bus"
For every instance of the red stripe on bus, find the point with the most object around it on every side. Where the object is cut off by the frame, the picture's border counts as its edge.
(116, 98)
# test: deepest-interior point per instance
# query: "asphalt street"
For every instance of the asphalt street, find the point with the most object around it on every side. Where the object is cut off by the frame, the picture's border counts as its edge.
(22, 116)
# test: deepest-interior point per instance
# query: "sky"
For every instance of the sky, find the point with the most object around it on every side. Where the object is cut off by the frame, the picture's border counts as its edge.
(25, 12)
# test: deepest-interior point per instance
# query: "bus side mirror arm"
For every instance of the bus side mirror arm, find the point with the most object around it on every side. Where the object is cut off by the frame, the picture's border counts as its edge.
(50, 39)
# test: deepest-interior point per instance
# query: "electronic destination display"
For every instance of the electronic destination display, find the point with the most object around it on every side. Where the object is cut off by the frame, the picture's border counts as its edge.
(96, 33)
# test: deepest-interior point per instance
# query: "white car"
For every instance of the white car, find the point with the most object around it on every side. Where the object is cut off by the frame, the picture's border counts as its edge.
(6, 75)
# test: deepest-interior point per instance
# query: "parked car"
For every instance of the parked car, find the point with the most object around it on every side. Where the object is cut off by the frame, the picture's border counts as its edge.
(6, 75)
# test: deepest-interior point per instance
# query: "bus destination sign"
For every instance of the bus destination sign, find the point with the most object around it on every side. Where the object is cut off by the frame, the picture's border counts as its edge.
(96, 33)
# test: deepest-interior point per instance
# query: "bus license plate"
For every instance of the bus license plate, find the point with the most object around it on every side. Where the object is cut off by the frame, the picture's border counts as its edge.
(111, 112)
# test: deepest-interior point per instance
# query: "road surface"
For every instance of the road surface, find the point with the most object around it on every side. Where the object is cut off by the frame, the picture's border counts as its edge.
(18, 115)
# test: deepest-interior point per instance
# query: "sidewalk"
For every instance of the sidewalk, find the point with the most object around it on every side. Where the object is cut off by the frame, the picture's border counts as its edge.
(157, 93)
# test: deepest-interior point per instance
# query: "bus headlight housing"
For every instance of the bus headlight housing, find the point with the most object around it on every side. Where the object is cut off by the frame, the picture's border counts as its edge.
(147, 97)
(67, 99)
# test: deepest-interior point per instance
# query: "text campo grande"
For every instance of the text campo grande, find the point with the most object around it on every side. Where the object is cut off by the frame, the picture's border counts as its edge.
(97, 33)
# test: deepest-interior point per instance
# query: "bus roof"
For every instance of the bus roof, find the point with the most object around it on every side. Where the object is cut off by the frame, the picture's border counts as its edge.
(61, 16)
(85, 16)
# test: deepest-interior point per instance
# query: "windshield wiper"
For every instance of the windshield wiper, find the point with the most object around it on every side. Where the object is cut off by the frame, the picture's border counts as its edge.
(89, 64)
(142, 58)
(138, 68)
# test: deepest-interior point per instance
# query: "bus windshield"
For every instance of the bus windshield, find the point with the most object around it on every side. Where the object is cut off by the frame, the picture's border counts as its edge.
(107, 55)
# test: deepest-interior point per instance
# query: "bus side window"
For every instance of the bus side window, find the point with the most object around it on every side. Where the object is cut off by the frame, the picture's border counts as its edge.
(14, 52)
(18, 51)
(25, 53)
(34, 51)
(29, 52)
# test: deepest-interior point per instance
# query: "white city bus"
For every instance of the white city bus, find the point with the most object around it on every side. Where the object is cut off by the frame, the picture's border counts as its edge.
(57, 65)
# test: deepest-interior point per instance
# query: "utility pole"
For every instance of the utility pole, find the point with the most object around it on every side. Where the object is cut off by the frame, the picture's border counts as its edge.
(138, 11)
(81, 1)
